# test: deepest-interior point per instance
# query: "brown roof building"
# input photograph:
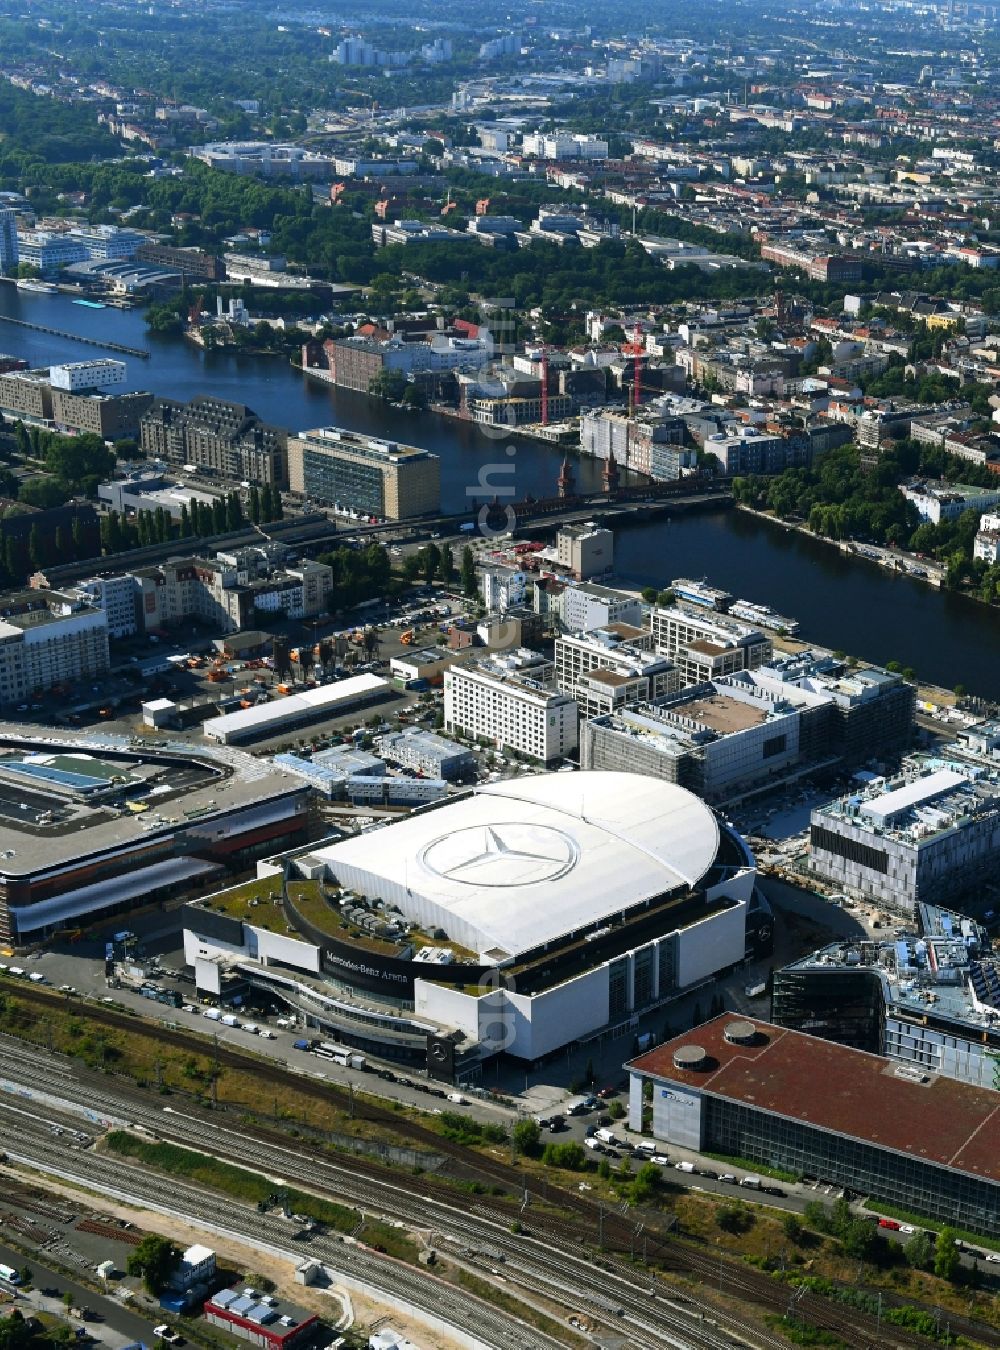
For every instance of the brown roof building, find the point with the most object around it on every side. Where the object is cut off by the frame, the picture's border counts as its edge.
(783, 1099)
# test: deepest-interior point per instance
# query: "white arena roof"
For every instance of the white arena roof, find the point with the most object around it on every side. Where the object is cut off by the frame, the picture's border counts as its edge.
(519, 864)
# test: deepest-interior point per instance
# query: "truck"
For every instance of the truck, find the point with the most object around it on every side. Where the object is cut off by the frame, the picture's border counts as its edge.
(230, 1021)
(302, 1045)
(212, 1014)
(606, 1136)
(684, 1167)
(576, 1106)
(752, 1183)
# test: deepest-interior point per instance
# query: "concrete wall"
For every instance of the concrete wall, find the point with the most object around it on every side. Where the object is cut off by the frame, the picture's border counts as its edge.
(708, 946)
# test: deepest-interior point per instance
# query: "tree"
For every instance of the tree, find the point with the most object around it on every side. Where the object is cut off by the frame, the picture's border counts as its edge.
(649, 594)
(431, 562)
(526, 1135)
(446, 566)
(43, 492)
(920, 1251)
(947, 1259)
(154, 1258)
(255, 504)
(734, 1218)
(469, 585)
(791, 1225)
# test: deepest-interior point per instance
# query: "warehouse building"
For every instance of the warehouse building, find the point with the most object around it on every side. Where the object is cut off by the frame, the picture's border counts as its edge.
(261, 1319)
(297, 710)
(814, 1108)
(929, 997)
(929, 834)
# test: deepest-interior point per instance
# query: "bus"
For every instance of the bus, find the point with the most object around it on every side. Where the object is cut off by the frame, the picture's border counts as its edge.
(9, 1274)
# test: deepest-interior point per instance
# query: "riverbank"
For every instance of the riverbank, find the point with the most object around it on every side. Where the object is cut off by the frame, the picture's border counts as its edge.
(891, 559)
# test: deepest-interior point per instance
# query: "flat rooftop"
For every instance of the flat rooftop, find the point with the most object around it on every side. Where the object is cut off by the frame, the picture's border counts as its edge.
(724, 715)
(195, 786)
(842, 1090)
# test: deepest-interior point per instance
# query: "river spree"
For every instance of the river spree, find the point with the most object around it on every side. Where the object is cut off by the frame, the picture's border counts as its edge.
(842, 602)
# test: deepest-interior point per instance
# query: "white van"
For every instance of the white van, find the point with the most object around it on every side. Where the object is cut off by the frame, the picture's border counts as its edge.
(606, 1136)
(212, 1014)
(230, 1021)
(457, 1098)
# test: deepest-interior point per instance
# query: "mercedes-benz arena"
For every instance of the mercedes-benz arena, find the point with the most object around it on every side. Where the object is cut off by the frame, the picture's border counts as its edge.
(570, 902)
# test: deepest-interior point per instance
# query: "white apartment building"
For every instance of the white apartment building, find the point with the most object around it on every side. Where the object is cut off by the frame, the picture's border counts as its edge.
(705, 647)
(565, 145)
(97, 374)
(946, 501)
(582, 608)
(48, 638)
(118, 598)
(608, 668)
(585, 550)
(987, 542)
(499, 701)
(502, 588)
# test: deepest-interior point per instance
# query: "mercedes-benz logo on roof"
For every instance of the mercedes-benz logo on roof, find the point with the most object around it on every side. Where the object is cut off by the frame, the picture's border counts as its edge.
(512, 854)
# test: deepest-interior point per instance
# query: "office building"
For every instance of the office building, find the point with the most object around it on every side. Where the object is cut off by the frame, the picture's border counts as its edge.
(649, 441)
(360, 473)
(49, 251)
(191, 263)
(786, 1100)
(608, 668)
(100, 373)
(565, 145)
(748, 451)
(48, 638)
(704, 647)
(509, 703)
(227, 439)
(9, 252)
(502, 588)
(352, 363)
(928, 834)
(929, 996)
(429, 754)
(585, 551)
(111, 416)
(581, 608)
(718, 739)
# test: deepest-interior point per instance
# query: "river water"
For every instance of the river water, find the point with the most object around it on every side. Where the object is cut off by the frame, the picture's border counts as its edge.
(842, 602)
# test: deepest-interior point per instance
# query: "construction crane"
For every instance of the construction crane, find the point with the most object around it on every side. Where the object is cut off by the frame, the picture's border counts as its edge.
(545, 387)
(636, 349)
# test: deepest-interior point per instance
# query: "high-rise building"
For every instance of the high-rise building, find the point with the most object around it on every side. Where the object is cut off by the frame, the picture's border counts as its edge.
(360, 473)
(511, 704)
(9, 256)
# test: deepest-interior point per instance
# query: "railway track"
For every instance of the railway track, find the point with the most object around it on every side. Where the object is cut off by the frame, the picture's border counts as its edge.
(551, 1246)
